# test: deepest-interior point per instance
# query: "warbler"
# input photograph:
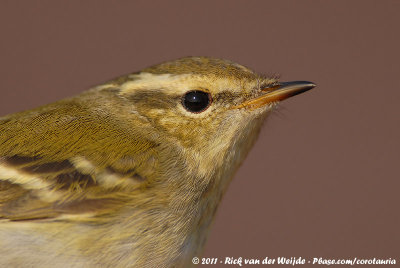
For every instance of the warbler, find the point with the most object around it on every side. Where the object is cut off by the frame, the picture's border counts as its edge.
(129, 173)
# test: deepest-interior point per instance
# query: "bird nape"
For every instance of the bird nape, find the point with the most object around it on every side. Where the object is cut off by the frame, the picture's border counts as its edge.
(129, 173)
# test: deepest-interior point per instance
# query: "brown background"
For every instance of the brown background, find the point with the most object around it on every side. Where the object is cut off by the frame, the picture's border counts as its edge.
(323, 179)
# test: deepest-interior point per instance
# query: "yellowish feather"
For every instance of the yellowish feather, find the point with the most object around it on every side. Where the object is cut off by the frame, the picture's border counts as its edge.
(126, 174)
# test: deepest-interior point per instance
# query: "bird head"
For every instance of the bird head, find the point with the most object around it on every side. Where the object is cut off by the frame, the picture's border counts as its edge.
(212, 108)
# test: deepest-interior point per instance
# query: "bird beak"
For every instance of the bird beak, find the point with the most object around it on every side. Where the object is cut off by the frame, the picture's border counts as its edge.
(279, 92)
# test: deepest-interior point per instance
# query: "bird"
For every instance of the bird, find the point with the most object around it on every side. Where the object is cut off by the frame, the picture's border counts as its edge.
(130, 173)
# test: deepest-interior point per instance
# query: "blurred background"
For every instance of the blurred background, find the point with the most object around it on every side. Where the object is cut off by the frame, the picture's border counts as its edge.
(323, 178)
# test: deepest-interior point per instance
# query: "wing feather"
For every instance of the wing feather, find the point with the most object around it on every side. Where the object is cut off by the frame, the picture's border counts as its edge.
(61, 159)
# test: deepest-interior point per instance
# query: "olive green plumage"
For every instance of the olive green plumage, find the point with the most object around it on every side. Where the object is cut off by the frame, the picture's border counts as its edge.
(126, 175)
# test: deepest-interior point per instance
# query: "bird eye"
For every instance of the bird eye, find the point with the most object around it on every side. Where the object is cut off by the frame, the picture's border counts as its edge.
(196, 101)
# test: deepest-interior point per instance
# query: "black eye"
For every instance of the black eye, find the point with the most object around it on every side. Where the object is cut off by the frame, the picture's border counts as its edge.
(196, 101)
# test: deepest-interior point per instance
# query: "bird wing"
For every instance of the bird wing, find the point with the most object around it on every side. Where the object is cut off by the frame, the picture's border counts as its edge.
(66, 159)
